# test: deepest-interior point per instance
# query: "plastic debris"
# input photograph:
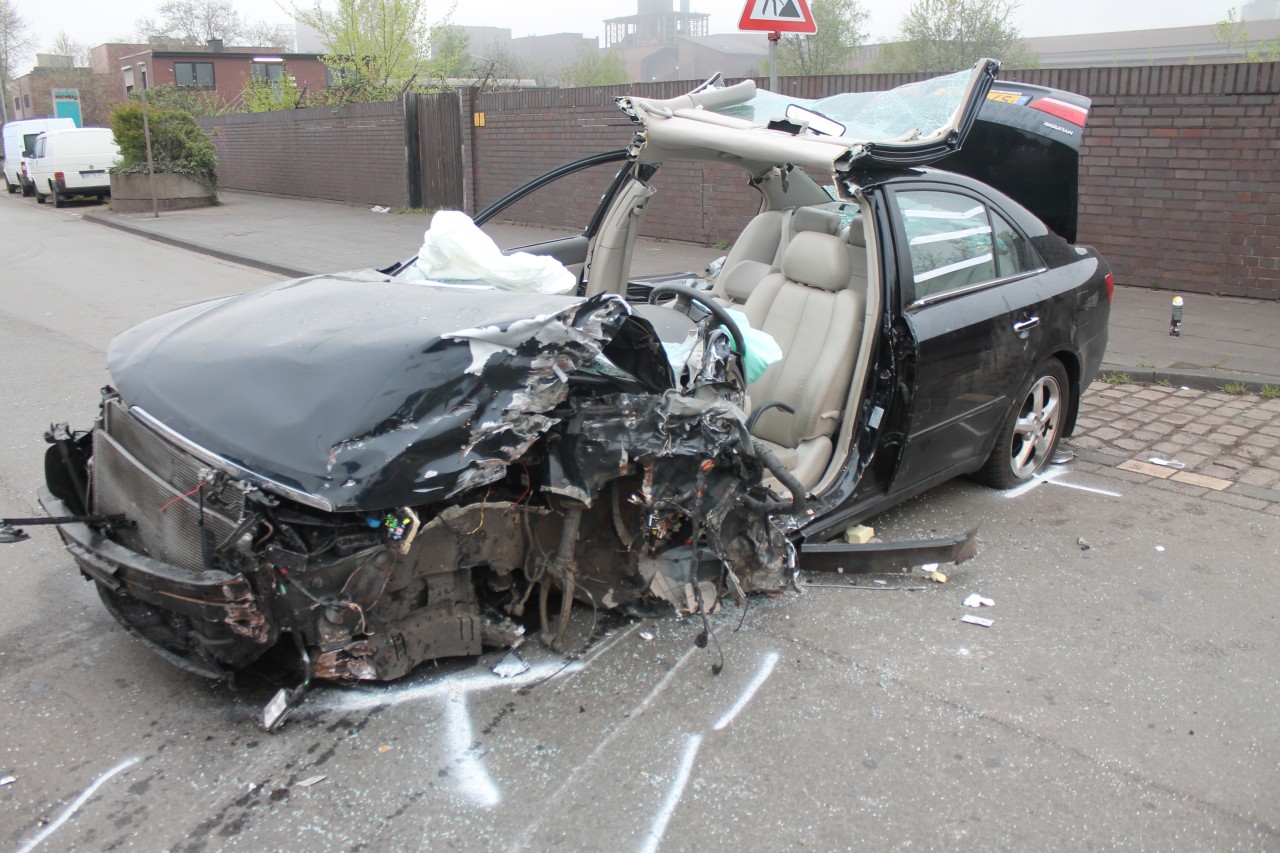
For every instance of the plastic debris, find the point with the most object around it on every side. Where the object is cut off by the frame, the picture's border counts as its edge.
(1084, 546)
(307, 783)
(1062, 457)
(977, 620)
(978, 600)
(377, 208)
(859, 534)
(1159, 547)
(1167, 463)
(646, 635)
(384, 748)
(937, 577)
(510, 664)
(8, 780)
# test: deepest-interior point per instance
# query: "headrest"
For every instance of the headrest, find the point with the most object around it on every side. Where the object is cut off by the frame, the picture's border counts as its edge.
(855, 233)
(818, 260)
(815, 219)
(739, 280)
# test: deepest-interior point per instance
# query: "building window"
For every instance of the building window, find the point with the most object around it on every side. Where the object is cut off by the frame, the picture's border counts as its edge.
(195, 75)
(26, 101)
(271, 72)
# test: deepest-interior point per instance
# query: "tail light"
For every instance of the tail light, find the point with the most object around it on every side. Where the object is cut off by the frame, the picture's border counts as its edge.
(23, 166)
(58, 176)
(1111, 286)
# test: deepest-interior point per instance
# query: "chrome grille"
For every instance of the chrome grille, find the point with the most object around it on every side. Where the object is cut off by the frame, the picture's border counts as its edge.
(140, 474)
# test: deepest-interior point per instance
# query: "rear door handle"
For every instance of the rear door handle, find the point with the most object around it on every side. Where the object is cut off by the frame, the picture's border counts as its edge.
(1029, 323)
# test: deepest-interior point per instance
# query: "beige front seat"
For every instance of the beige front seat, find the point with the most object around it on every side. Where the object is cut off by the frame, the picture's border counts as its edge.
(816, 318)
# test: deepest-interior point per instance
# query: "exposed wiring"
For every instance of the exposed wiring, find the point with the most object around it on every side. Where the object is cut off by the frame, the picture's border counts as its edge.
(181, 497)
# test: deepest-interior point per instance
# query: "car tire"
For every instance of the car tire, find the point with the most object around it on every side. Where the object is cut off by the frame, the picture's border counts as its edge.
(40, 197)
(58, 200)
(27, 191)
(10, 187)
(1030, 432)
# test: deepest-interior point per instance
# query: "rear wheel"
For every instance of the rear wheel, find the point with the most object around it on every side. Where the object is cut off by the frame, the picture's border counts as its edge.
(28, 191)
(1030, 432)
(58, 200)
(8, 186)
(40, 197)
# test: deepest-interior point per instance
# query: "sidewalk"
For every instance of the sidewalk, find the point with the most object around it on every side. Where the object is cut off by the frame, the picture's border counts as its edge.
(1223, 340)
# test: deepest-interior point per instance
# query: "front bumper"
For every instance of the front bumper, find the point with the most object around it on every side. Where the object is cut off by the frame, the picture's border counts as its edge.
(213, 607)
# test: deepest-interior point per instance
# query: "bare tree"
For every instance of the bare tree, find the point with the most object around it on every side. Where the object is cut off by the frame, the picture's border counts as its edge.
(64, 45)
(15, 43)
(194, 22)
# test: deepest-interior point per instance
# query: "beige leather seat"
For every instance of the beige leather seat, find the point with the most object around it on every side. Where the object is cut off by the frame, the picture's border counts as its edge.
(816, 318)
(759, 249)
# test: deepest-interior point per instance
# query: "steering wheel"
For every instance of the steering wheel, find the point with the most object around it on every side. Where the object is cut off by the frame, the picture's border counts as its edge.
(686, 295)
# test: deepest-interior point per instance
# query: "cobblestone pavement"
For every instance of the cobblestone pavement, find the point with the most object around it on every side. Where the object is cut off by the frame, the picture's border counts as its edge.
(1228, 445)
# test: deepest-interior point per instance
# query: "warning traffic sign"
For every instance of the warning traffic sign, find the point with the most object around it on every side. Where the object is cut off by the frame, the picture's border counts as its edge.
(778, 16)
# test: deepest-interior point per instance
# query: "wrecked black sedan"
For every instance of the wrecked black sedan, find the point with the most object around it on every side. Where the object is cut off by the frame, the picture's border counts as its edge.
(389, 467)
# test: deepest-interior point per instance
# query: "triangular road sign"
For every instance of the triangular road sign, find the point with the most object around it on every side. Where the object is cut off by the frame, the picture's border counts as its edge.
(778, 16)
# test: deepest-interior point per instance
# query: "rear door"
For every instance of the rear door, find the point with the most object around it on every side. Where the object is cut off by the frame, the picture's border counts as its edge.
(975, 299)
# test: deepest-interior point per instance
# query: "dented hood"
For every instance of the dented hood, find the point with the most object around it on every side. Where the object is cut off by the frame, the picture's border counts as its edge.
(359, 391)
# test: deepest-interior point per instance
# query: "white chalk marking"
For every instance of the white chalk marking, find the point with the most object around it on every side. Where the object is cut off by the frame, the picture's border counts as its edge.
(766, 669)
(75, 805)
(572, 779)
(1085, 489)
(674, 795)
(438, 689)
(1050, 475)
(468, 770)
(600, 648)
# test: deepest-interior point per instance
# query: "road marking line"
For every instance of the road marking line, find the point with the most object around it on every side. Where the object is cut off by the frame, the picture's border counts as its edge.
(766, 669)
(674, 795)
(75, 805)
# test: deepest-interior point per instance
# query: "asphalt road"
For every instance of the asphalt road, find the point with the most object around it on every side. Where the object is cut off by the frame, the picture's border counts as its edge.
(1125, 696)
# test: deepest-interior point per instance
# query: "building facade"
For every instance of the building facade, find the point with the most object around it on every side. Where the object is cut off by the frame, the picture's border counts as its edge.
(221, 71)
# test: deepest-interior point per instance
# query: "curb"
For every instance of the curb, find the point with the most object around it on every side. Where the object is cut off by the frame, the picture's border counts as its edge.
(1201, 380)
(110, 220)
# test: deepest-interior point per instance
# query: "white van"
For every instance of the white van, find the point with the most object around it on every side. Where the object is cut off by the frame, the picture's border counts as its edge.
(19, 144)
(73, 162)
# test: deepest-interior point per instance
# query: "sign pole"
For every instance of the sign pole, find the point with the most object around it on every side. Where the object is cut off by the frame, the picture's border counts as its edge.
(773, 61)
(151, 170)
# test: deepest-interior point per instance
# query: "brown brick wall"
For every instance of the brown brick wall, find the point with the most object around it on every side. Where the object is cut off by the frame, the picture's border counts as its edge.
(1179, 178)
(1180, 169)
(354, 153)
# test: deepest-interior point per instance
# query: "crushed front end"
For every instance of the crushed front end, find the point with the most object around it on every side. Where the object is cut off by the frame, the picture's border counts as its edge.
(552, 458)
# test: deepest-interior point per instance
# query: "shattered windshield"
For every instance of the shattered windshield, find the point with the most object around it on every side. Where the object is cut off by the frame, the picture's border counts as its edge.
(916, 110)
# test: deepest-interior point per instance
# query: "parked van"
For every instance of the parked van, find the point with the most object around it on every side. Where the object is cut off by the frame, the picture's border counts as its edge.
(73, 162)
(19, 145)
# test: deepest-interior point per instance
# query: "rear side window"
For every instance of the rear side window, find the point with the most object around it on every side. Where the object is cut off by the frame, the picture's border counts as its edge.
(956, 242)
(29, 142)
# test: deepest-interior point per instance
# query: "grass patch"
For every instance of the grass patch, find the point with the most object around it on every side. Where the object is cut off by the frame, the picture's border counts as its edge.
(720, 245)
(1116, 378)
(1234, 388)
(418, 211)
(1145, 364)
(1271, 392)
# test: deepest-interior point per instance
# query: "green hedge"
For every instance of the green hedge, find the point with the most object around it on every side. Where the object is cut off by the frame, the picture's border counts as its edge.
(178, 144)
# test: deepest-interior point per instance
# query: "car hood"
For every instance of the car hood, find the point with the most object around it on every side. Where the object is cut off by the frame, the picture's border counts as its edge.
(358, 391)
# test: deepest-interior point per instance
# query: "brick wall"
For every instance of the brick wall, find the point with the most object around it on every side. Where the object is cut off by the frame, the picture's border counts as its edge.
(1180, 168)
(354, 153)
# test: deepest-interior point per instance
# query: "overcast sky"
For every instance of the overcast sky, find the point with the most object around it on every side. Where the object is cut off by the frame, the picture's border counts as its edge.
(95, 21)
